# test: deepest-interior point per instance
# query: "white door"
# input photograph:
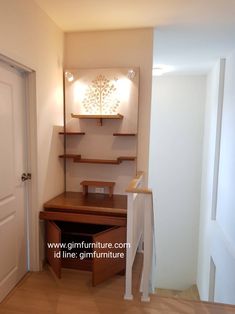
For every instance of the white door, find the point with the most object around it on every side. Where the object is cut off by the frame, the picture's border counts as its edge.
(13, 210)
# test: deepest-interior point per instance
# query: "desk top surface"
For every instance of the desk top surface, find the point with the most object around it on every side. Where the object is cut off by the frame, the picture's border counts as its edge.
(99, 204)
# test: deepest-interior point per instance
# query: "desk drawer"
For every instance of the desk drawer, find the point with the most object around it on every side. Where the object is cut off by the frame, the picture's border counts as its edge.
(83, 218)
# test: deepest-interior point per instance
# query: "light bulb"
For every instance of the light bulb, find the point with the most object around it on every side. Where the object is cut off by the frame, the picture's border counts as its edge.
(69, 76)
(131, 74)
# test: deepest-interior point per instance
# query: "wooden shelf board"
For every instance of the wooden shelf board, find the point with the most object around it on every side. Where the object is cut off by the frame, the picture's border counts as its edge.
(72, 133)
(126, 158)
(79, 159)
(104, 161)
(70, 156)
(96, 161)
(124, 134)
(97, 183)
(90, 116)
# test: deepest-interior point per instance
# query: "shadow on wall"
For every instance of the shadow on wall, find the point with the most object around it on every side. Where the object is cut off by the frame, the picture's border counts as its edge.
(55, 166)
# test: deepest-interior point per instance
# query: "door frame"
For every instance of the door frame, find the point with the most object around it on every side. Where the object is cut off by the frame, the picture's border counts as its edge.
(32, 222)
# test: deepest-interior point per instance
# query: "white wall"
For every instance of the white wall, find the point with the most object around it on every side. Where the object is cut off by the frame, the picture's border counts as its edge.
(29, 37)
(121, 48)
(225, 258)
(208, 179)
(175, 175)
(217, 236)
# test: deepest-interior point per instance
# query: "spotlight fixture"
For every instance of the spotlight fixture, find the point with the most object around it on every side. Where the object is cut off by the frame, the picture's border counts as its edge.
(131, 74)
(69, 76)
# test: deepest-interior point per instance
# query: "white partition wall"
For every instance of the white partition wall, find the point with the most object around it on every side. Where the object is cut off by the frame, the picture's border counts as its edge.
(175, 175)
(217, 222)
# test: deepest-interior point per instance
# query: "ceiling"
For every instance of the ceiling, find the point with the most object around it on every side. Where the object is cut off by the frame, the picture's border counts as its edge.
(189, 34)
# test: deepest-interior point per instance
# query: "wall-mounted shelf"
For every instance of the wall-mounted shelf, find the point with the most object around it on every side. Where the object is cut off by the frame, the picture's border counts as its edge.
(70, 156)
(100, 117)
(124, 134)
(104, 161)
(97, 116)
(72, 133)
(79, 159)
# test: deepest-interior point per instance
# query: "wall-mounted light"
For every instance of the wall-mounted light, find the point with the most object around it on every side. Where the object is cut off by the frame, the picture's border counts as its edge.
(131, 74)
(69, 76)
(161, 69)
(157, 71)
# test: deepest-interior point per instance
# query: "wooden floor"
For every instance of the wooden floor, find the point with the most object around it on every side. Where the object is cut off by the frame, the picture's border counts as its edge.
(42, 293)
(189, 294)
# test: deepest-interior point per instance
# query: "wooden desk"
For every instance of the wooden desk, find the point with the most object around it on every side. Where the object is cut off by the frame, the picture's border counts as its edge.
(72, 217)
